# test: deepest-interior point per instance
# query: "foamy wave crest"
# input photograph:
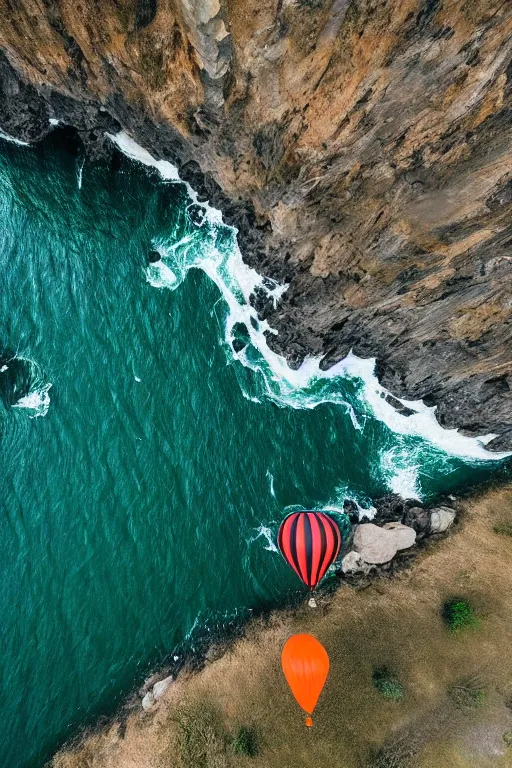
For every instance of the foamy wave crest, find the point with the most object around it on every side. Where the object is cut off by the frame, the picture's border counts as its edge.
(13, 140)
(213, 248)
(37, 401)
(402, 475)
(23, 384)
(267, 534)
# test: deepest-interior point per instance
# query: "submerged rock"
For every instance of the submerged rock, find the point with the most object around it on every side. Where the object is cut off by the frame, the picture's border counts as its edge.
(441, 519)
(380, 545)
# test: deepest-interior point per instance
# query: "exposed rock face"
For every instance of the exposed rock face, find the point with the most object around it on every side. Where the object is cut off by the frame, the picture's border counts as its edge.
(362, 147)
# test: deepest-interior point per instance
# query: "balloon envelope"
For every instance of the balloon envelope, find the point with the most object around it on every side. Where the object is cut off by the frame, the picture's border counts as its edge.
(305, 665)
(309, 542)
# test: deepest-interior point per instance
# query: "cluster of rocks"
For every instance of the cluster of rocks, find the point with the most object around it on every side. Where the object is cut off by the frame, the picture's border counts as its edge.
(154, 688)
(398, 525)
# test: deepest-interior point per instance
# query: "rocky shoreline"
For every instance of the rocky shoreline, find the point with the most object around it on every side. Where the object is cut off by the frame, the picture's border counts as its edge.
(395, 623)
(362, 150)
(375, 549)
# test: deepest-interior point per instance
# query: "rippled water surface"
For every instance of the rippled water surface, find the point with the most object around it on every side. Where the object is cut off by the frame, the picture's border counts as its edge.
(135, 501)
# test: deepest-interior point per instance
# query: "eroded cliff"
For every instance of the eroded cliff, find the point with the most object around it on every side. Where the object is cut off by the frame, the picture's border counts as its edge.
(363, 148)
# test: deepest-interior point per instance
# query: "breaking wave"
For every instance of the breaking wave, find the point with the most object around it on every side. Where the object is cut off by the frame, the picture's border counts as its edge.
(212, 247)
(23, 385)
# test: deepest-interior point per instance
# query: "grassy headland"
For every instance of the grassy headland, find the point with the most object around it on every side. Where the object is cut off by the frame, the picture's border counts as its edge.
(455, 682)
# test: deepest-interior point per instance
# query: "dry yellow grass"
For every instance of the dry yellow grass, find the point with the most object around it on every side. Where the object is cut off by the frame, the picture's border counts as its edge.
(394, 623)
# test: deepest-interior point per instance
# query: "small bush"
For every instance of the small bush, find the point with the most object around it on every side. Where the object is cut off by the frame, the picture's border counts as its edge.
(507, 738)
(387, 684)
(468, 694)
(202, 740)
(398, 755)
(458, 614)
(245, 742)
(504, 528)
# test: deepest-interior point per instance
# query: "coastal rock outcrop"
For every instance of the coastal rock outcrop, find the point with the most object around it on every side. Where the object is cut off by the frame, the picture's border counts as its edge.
(157, 691)
(362, 148)
(419, 519)
(379, 545)
(353, 563)
(441, 519)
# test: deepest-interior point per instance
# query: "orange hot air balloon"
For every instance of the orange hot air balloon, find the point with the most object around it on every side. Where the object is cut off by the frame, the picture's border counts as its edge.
(305, 665)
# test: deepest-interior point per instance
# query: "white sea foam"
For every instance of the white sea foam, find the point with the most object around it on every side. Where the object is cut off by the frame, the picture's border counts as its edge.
(402, 475)
(37, 401)
(271, 482)
(266, 532)
(80, 173)
(290, 387)
(6, 137)
(368, 512)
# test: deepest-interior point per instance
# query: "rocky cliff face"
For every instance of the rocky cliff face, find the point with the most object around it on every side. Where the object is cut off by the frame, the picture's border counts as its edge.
(362, 147)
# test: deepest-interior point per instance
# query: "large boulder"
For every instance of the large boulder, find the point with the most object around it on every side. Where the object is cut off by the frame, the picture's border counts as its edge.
(161, 687)
(403, 536)
(419, 519)
(392, 508)
(148, 701)
(380, 545)
(441, 519)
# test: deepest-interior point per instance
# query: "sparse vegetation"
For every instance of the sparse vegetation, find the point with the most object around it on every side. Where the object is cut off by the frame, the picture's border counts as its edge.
(397, 755)
(388, 684)
(468, 694)
(459, 614)
(245, 742)
(202, 739)
(507, 738)
(504, 528)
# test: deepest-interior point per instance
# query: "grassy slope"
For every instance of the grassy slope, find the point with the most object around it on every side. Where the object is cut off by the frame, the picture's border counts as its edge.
(393, 623)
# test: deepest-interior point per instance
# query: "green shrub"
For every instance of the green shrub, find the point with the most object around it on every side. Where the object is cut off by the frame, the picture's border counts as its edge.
(244, 743)
(468, 694)
(504, 528)
(387, 684)
(459, 613)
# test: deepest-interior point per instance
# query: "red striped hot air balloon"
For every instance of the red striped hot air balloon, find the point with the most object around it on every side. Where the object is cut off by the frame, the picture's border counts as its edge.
(309, 542)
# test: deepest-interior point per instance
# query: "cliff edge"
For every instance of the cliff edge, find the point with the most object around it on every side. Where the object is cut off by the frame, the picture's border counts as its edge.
(361, 147)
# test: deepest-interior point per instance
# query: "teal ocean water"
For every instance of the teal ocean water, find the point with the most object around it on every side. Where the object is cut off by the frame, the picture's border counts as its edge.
(146, 466)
